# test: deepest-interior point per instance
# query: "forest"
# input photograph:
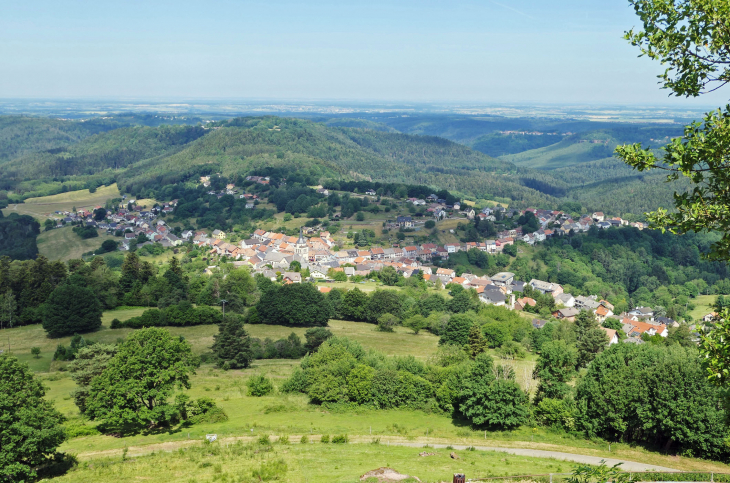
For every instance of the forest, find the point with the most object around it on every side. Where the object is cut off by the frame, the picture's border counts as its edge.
(143, 159)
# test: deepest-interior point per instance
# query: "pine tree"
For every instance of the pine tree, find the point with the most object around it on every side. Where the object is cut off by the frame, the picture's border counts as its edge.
(232, 345)
(592, 339)
(477, 343)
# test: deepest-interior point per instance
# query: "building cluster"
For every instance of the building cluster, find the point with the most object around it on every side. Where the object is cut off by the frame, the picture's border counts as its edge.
(131, 221)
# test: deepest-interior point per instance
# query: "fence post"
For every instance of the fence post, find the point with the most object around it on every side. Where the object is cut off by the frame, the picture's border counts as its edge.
(551, 478)
(712, 477)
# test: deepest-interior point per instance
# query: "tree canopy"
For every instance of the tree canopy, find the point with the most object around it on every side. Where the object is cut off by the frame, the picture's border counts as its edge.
(30, 427)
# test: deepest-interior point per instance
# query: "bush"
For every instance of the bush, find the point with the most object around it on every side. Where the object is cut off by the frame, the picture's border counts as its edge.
(511, 350)
(325, 438)
(259, 386)
(387, 323)
(297, 382)
(304, 439)
(340, 439)
(271, 470)
(116, 323)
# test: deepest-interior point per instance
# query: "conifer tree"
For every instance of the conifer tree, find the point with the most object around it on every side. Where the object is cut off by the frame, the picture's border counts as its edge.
(232, 345)
(477, 342)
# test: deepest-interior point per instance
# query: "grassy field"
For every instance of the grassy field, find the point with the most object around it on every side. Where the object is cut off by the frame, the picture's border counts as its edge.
(311, 462)
(292, 415)
(64, 244)
(703, 306)
(42, 207)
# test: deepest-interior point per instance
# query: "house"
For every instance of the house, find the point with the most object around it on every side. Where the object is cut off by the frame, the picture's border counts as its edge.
(598, 216)
(370, 192)
(635, 328)
(588, 303)
(292, 277)
(404, 221)
(566, 299)
(493, 297)
(520, 304)
(567, 313)
(219, 234)
(612, 336)
(546, 287)
(324, 289)
(642, 312)
(538, 323)
(602, 312)
(503, 278)
(709, 317)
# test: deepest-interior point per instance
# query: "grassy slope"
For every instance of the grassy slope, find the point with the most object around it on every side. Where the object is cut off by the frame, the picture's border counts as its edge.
(703, 306)
(313, 462)
(42, 207)
(290, 414)
(64, 244)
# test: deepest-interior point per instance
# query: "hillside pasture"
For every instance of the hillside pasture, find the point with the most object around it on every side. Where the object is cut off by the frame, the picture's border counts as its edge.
(41, 208)
(64, 244)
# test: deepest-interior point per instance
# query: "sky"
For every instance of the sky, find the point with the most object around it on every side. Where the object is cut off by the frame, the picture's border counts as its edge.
(506, 51)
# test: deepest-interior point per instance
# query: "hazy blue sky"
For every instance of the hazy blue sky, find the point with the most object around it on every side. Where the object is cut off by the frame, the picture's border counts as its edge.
(556, 51)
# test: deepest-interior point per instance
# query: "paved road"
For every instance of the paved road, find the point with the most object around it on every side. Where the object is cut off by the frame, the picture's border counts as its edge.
(536, 453)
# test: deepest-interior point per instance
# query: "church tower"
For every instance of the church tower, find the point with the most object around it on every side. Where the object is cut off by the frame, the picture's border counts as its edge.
(301, 248)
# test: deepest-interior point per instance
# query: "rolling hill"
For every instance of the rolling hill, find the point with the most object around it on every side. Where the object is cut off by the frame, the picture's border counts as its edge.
(144, 158)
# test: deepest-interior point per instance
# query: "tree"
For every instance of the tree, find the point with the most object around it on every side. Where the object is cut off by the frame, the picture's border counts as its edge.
(297, 304)
(108, 246)
(591, 338)
(656, 395)
(354, 304)
(136, 385)
(384, 302)
(692, 40)
(554, 369)
(491, 398)
(476, 343)
(30, 427)
(457, 330)
(8, 306)
(71, 309)
(388, 275)
(461, 302)
(415, 323)
(232, 344)
(90, 361)
(99, 214)
(36, 351)
(315, 337)
(387, 322)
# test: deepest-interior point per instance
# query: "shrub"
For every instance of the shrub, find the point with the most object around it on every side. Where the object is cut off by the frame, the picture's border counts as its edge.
(387, 323)
(283, 439)
(304, 439)
(259, 386)
(116, 323)
(264, 440)
(511, 350)
(340, 439)
(325, 438)
(36, 351)
(297, 382)
(270, 470)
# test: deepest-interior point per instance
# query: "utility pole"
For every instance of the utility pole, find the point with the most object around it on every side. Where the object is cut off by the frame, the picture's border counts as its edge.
(223, 303)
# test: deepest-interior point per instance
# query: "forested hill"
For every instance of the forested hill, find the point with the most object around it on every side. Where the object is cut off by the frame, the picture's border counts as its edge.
(20, 135)
(145, 158)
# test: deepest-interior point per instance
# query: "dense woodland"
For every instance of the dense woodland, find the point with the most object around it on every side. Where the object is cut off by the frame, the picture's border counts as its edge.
(144, 159)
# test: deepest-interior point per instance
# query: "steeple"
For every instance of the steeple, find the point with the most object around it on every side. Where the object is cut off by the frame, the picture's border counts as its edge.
(301, 240)
(301, 248)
